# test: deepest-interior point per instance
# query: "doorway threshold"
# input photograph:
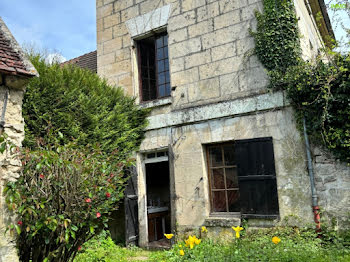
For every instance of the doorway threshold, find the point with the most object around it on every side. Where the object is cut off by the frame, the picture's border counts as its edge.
(159, 244)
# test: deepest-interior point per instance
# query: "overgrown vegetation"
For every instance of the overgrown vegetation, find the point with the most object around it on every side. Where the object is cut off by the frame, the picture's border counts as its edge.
(318, 90)
(80, 136)
(81, 106)
(295, 245)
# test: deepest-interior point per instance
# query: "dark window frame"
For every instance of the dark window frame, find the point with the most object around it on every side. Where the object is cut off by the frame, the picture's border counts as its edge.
(264, 143)
(164, 59)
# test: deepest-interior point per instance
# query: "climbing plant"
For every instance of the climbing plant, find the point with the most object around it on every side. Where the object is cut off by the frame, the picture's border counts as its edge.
(318, 90)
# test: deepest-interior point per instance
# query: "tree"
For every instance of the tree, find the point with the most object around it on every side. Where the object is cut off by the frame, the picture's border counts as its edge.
(80, 136)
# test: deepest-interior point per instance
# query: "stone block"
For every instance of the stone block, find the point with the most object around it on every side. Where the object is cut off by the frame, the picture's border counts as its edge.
(188, 5)
(129, 13)
(148, 6)
(122, 54)
(182, 20)
(104, 11)
(185, 48)
(112, 45)
(203, 90)
(200, 28)
(178, 36)
(99, 24)
(248, 12)
(223, 51)
(229, 84)
(111, 20)
(229, 5)
(105, 35)
(185, 77)
(197, 59)
(227, 19)
(106, 59)
(208, 11)
(120, 5)
(245, 46)
(177, 64)
(220, 67)
(119, 30)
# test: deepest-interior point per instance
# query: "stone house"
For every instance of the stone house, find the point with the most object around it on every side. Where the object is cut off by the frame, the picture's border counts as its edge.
(219, 146)
(15, 71)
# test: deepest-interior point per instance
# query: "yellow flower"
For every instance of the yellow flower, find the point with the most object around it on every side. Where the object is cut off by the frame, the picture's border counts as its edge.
(180, 245)
(169, 236)
(276, 240)
(191, 245)
(204, 229)
(197, 241)
(182, 252)
(237, 230)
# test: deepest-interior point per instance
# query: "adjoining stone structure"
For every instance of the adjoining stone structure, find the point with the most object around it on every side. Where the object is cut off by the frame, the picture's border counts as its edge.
(218, 95)
(15, 71)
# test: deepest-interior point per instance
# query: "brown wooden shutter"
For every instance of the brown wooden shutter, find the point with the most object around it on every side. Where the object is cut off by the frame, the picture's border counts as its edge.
(131, 209)
(257, 177)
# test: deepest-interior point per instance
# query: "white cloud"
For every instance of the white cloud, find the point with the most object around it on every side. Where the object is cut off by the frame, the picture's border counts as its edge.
(55, 58)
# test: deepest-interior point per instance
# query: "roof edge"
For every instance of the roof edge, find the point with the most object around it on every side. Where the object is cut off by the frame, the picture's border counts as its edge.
(16, 47)
(325, 26)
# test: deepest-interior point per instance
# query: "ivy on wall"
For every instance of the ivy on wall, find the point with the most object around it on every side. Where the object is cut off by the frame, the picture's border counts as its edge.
(318, 90)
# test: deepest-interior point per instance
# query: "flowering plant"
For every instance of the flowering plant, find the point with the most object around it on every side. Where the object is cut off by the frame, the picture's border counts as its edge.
(63, 197)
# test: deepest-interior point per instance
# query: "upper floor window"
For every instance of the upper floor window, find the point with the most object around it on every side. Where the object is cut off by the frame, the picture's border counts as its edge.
(153, 62)
(242, 178)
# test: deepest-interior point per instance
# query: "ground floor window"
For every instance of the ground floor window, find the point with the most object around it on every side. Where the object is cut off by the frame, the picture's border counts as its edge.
(242, 178)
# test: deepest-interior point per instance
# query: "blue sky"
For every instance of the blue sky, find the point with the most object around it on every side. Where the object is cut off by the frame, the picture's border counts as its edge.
(66, 26)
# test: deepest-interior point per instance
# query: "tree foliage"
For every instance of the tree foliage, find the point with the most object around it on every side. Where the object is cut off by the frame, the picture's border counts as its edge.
(81, 106)
(318, 90)
(63, 197)
(80, 135)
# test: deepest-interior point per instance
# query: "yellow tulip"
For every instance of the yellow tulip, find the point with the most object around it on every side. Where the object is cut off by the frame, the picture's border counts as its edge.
(276, 240)
(204, 229)
(237, 230)
(169, 236)
(182, 253)
(191, 245)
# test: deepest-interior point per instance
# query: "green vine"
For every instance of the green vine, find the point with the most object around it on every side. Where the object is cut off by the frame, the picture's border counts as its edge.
(318, 90)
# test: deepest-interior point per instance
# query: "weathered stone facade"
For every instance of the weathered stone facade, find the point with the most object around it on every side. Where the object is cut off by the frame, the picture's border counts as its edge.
(218, 94)
(15, 71)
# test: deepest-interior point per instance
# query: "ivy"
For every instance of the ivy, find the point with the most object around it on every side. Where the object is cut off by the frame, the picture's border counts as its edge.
(318, 90)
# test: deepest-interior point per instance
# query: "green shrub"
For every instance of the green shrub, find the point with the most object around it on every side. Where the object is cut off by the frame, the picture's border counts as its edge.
(63, 197)
(83, 107)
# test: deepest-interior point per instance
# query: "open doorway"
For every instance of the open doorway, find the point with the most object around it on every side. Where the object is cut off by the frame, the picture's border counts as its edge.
(158, 198)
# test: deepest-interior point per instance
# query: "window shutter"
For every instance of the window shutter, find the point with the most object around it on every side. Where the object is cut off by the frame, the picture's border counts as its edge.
(257, 177)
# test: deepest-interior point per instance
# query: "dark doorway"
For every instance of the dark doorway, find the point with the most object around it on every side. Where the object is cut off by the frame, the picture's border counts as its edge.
(158, 202)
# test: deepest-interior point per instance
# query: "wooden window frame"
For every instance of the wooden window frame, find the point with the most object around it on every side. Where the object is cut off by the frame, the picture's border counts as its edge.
(238, 163)
(213, 213)
(153, 35)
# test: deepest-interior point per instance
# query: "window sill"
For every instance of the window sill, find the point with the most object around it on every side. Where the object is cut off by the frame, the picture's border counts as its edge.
(156, 103)
(225, 220)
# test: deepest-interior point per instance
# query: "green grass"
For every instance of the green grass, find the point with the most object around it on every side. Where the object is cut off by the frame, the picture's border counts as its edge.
(296, 245)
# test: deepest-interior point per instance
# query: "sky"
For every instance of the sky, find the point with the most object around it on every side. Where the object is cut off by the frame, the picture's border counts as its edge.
(64, 26)
(67, 27)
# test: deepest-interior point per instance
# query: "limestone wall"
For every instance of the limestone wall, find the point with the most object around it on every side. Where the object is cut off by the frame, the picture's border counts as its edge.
(208, 41)
(9, 165)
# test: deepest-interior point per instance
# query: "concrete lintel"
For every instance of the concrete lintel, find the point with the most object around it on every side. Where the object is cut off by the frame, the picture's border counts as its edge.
(247, 105)
(145, 23)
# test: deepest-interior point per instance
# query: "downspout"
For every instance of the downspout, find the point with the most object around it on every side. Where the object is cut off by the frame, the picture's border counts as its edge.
(315, 207)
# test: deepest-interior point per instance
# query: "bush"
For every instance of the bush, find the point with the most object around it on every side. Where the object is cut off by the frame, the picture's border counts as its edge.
(80, 134)
(63, 197)
(83, 107)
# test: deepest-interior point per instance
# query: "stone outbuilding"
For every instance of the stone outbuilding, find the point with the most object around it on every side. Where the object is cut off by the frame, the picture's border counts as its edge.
(220, 147)
(15, 71)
